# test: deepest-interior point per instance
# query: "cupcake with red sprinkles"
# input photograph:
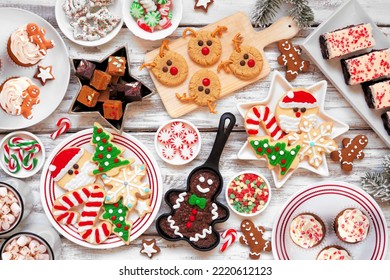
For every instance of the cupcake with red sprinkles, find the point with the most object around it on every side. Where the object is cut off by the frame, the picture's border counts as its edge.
(248, 194)
(307, 230)
(333, 253)
(351, 225)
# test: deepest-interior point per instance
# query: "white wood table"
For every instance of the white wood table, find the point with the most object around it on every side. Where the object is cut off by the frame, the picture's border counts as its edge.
(143, 122)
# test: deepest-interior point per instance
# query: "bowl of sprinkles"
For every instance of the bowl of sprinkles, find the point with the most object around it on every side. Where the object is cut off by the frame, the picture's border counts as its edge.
(248, 193)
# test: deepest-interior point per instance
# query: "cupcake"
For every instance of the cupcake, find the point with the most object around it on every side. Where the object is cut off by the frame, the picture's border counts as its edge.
(18, 95)
(333, 253)
(307, 230)
(27, 45)
(351, 225)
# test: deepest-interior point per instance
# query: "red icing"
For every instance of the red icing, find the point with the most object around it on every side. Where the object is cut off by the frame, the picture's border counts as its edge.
(205, 51)
(206, 82)
(188, 225)
(104, 140)
(109, 149)
(116, 160)
(99, 130)
(298, 114)
(174, 71)
(194, 212)
(113, 218)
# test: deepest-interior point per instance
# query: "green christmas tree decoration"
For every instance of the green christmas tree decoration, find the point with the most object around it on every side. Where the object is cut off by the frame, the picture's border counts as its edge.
(276, 153)
(106, 155)
(116, 213)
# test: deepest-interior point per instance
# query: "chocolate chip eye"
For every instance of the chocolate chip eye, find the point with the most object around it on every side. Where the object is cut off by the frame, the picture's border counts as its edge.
(165, 69)
(295, 109)
(303, 110)
(70, 171)
(242, 62)
(169, 62)
(209, 43)
(246, 56)
(76, 166)
(200, 43)
(207, 91)
(200, 88)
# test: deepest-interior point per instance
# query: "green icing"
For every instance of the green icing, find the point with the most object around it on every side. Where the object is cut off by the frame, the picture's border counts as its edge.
(116, 213)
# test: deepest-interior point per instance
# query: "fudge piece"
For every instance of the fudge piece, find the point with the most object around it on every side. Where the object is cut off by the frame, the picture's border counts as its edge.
(346, 40)
(100, 80)
(85, 69)
(112, 109)
(116, 94)
(88, 96)
(104, 95)
(116, 66)
(133, 92)
(377, 94)
(386, 121)
(367, 67)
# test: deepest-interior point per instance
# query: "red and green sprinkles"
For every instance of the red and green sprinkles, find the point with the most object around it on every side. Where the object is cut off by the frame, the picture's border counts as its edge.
(248, 193)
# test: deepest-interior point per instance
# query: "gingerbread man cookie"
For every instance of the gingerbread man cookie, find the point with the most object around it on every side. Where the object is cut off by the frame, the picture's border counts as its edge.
(204, 90)
(245, 62)
(253, 237)
(169, 67)
(31, 98)
(291, 58)
(353, 149)
(205, 48)
(36, 35)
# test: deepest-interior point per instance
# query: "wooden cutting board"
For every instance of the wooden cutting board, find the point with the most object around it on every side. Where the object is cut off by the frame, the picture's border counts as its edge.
(284, 28)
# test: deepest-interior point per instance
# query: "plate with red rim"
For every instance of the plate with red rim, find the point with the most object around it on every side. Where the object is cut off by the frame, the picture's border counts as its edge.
(316, 199)
(133, 148)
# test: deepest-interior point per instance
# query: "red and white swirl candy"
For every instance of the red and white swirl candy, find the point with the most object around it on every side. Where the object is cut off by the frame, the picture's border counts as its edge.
(230, 236)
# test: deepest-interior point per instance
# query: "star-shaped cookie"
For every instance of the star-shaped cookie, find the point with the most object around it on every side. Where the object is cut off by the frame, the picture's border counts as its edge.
(79, 108)
(203, 4)
(279, 87)
(149, 247)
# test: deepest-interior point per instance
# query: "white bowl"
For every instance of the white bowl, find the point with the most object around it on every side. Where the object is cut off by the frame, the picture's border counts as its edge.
(131, 23)
(40, 156)
(251, 214)
(66, 28)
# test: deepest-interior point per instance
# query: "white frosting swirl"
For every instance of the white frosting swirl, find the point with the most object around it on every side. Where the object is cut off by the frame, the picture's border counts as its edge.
(11, 96)
(306, 231)
(333, 253)
(353, 225)
(24, 50)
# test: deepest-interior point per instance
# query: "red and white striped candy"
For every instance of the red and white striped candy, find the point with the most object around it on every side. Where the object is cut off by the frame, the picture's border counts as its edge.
(168, 151)
(177, 127)
(190, 137)
(164, 136)
(177, 141)
(258, 115)
(186, 152)
(63, 125)
(230, 236)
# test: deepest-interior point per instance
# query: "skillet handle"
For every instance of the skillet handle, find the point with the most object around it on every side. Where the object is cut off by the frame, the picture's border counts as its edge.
(226, 125)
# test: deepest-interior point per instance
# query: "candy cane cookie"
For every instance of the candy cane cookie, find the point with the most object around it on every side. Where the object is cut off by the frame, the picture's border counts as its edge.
(261, 116)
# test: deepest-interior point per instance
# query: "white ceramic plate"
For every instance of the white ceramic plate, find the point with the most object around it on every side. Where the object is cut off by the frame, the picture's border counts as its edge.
(279, 87)
(349, 14)
(66, 28)
(131, 23)
(326, 200)
(132, 149)
(54, 91)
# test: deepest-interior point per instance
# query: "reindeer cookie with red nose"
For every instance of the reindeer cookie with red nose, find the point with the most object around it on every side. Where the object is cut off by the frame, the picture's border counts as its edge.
(205, 48)
(245, 62)
(169, 67)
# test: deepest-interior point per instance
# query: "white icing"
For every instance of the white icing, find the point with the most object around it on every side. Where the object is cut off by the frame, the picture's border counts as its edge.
(148, 249)
(12, 94)
(291, 124)
(45, 74)
(214, 211)
(179, 200)
(201, 236)
(202, 190)
(83, 178)
(172, 226)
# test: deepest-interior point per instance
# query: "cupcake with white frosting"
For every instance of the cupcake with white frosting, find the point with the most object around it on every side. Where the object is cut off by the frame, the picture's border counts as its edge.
(334, 253)
(27, 45)
(351, 225)
(307, 230)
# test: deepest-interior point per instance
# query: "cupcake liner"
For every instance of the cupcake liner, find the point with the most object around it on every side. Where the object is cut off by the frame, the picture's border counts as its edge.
(20, 67)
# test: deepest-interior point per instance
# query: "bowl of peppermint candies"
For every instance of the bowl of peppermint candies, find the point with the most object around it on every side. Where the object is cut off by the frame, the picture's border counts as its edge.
(248, 193)
(152, 19)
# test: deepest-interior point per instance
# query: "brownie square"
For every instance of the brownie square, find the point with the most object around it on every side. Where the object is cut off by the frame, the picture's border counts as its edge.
(386, 121)
(88, 96)
(85, 69)
(133, 92)
(100, 80)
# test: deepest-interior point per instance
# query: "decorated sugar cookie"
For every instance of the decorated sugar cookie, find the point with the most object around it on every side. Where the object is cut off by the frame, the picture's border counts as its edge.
(169, 67)
(150, 247)
(116, 214)
(246, 62)
(204, 90)
(205, 48)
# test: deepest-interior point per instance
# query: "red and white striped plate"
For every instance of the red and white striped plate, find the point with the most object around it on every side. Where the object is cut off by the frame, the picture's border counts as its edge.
(132, 149)
(327, 199)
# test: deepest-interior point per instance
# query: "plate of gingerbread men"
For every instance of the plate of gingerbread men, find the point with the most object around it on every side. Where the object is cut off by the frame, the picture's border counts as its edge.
(100, 189)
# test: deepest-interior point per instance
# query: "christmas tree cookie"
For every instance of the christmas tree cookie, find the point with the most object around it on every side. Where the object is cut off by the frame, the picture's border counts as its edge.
(277, 154)
(106, 155)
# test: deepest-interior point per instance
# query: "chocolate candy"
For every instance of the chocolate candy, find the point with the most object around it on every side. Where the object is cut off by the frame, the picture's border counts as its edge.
(100, 80)
(88, 96)
(85, 69)
(133, 92)
(112, 109)
(116, 94)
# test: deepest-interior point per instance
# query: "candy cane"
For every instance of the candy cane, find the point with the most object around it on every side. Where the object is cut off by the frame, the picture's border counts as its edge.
(63, 125)
(230, 235)
(262, 114)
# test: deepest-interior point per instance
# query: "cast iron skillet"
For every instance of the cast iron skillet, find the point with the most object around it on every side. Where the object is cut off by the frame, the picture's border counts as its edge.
(212, 166)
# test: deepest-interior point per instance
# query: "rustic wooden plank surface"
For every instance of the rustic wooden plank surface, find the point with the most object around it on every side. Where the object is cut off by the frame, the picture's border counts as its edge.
(143, 121)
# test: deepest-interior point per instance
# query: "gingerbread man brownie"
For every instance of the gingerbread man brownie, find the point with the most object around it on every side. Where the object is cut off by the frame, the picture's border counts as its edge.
(291, 58)
(205, 48)
(253, 237)
(169, 67)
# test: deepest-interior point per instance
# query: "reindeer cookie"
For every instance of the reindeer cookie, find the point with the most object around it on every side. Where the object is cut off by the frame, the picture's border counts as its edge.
(245, 62)
(36, 35)
(169, 67)
(204, 90)
(291, 58)
(205, 48)
(253, 237)
(31, 98)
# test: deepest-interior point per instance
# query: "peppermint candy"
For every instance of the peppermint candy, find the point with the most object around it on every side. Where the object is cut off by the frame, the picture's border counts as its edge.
(186, 152)
(164, 136)
(136, 10)
(168, 151)
(229, 236)
(152, 15)
(178, 127)
(177, 141)
(152, 18)
(190, 137)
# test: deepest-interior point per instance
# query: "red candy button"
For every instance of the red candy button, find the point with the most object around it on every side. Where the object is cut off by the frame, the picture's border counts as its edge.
(205, 51)
(192, 218)
(188, 225)
(174, 71)
(251, 63)
(206, 82)
(297, 114)
(194, 211)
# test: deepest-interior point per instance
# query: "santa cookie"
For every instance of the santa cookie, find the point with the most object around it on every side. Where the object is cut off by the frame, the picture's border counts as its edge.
(296, 105)
(169, 67)
(194, 212)
(205, 48)
(72, 168)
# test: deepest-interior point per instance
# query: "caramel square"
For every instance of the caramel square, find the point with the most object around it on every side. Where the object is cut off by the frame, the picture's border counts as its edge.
(100, 80)
(112, 109)
(88, 96)
(116, 66)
